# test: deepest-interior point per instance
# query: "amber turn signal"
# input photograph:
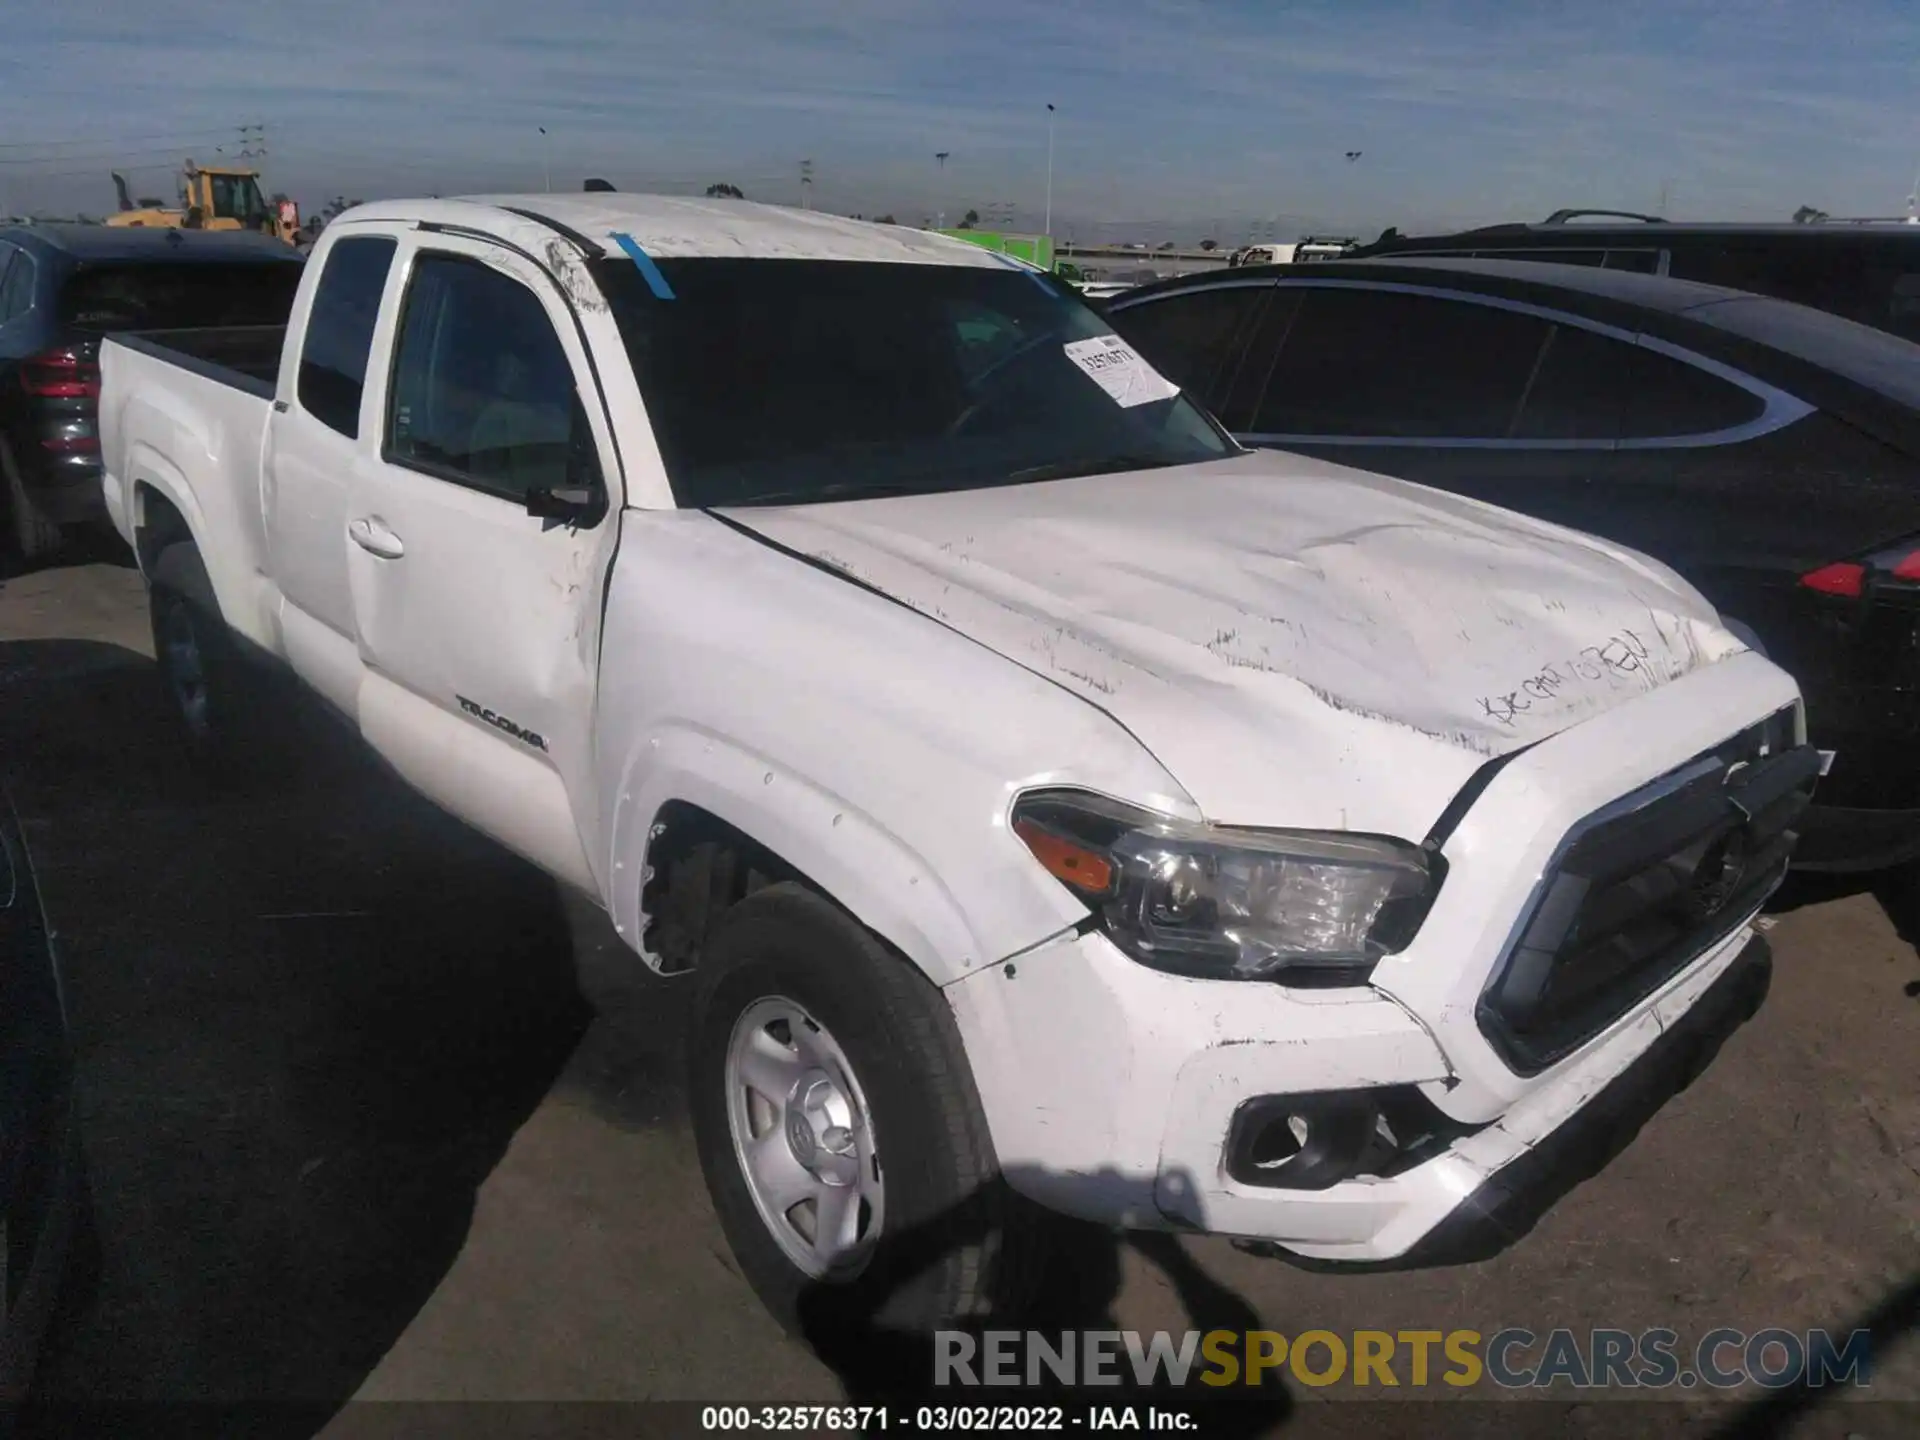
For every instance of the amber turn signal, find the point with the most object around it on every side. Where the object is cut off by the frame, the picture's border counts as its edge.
(1067, 861)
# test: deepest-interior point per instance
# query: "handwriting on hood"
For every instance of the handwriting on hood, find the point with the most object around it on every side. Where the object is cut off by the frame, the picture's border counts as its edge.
(1615, 661)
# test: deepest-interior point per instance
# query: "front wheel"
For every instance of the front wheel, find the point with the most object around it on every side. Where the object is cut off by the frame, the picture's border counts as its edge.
(840, 1132)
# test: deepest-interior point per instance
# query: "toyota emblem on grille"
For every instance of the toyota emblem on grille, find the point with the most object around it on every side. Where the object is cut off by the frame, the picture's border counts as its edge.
(1717, 878)
(1722, 867)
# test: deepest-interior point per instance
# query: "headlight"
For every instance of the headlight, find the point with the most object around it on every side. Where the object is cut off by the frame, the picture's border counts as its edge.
(1298, 906)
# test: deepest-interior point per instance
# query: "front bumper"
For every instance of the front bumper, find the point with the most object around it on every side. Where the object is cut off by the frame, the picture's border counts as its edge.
(1508, 1203)
(1121, 1105)
(1112, 1089)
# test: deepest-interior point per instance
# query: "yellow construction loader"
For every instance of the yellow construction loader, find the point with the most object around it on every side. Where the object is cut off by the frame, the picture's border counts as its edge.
(212, 197)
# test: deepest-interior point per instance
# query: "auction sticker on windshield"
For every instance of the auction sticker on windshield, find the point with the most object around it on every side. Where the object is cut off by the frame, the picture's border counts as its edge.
(1117, 369)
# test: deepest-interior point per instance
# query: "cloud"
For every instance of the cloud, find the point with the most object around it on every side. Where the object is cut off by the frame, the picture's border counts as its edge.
(1463, 109)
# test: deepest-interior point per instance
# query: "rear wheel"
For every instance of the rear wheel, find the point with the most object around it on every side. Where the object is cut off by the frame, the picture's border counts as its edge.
(213, 692)
(840, 1132)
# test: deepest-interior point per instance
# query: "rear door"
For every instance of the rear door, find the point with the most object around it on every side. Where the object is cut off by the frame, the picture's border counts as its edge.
(20, 336)
(478, 620)
(321, 433)
(1419, 385)
(1589, 427)
(19, 324)
(13, 344)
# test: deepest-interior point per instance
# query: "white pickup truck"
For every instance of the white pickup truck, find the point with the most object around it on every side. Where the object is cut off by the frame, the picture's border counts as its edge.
(1050, 801)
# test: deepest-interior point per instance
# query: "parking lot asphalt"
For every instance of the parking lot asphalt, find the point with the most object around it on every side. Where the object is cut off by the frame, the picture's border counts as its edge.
(373, 1110)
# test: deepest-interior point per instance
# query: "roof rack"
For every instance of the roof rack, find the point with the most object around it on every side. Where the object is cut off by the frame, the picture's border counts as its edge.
(1560, 217)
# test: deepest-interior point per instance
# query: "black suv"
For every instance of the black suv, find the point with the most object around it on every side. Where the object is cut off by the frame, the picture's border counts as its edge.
(1867, 272)
(61, 288)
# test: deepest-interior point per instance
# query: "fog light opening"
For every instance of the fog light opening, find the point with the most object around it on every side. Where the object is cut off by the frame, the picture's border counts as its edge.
(1313, 1141)
(1302, 1142)
(1279, 1142)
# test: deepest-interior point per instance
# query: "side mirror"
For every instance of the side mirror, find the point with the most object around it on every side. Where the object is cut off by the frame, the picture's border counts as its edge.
(582, 496)
(567, 502)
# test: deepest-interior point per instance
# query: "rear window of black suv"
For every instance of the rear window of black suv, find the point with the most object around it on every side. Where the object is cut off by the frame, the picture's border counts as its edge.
(111, 297)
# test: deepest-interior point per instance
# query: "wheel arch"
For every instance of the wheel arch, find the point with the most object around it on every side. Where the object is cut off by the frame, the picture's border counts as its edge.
(158, 522)
(707, 821)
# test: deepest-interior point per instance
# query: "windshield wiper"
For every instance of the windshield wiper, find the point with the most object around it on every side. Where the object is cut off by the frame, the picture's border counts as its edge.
(881, 489)
(1073, 469)
(846, 490)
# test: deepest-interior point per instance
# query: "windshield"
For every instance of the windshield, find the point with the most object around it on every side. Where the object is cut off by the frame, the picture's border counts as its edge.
(1883, 363)
(179, 296)
(237, 197)
(791, 381)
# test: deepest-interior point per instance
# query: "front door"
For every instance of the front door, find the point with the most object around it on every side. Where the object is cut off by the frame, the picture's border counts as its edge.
(479, 619)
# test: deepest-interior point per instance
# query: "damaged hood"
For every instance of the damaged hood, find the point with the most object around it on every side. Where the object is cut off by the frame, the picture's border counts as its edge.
(1298, 643)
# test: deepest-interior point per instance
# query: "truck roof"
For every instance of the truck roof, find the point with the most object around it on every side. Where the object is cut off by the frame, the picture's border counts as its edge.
(680, 227)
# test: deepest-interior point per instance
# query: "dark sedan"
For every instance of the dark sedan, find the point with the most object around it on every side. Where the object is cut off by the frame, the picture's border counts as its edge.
(61, 288)
(45, 1221)
(1768, 452)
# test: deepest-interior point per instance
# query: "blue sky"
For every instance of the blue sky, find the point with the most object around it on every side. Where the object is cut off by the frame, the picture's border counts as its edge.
(1197, 113)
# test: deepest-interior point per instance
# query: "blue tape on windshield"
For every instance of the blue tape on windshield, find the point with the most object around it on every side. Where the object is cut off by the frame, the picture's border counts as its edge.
(643, 262)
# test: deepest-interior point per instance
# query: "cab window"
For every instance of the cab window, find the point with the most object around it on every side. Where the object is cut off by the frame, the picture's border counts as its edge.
(483, 391)
(237, 197)
(339, 336)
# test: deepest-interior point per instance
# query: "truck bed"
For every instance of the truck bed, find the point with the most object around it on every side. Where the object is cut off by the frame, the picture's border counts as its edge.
(246, 357)
(183, 414)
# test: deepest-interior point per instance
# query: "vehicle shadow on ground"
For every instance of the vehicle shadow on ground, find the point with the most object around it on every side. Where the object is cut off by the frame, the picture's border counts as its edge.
(1896, 890)
(85, 545)
(1775, 1415)
(307, 1021)
(879, 1364)
(902, 1370)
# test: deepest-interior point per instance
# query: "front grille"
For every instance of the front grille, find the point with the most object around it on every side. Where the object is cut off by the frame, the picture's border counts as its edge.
(1642, 888)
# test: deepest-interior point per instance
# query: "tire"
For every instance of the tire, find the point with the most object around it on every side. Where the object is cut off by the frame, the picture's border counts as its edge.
(31, 534)
(218, 701)
(941, 1239)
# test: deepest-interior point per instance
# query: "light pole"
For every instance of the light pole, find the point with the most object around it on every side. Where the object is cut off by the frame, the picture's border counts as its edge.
(546, 157)
(941, 156)
(1048, 227)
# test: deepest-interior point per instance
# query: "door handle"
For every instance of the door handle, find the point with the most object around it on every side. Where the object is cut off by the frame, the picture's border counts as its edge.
(375, 538)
